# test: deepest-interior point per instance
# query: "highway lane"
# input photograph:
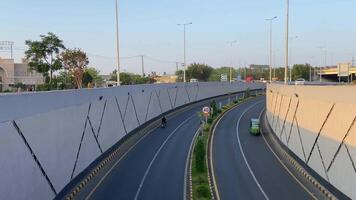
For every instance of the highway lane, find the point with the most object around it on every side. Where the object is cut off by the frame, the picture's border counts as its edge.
(155, 167)
(244, 166)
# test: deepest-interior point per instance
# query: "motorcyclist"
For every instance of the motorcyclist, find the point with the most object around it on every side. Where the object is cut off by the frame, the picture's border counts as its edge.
(164, 121)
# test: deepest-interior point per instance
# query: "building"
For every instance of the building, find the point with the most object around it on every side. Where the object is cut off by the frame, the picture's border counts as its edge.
(12, 73)
(166, 79)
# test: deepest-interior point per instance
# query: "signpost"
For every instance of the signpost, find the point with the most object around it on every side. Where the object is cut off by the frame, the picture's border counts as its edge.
(206, 112)
(223, 77)
(343, 70)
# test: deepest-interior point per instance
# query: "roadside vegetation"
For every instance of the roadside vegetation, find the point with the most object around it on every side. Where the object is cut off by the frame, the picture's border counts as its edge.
(199, 168)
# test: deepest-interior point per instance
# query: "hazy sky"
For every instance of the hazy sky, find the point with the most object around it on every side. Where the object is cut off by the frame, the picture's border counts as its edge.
(149, 27)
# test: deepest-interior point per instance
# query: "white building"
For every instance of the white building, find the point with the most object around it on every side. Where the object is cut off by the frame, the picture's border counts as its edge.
(12, 73)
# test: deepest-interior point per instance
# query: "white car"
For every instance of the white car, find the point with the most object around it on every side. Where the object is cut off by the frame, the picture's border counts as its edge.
(300, 81)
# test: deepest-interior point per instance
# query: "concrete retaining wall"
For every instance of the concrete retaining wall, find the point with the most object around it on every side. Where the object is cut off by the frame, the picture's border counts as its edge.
(47, 139)
(318, 124)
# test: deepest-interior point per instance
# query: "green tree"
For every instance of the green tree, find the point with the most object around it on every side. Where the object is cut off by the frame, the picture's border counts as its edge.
(180, 74)
(199, 71)
(131, 79)
(65, 80)
(216, 74)
(301, 71)
(91, 75)
(75, 61)
(43, 56)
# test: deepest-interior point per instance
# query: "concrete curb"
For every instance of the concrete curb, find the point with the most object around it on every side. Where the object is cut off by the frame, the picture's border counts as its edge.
(189, 179)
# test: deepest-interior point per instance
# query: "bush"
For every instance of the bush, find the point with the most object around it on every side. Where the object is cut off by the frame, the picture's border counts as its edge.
(200, 156)
(236, 101)
(43, 87)
(210, 120)
(247, 93)
(203, 191)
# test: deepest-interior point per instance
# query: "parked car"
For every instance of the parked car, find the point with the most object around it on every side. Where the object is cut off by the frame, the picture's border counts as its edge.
(255, 127)
(193, 80)
(300, 81)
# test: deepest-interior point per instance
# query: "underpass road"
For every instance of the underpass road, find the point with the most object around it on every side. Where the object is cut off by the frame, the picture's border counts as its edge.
(155, 167)
(257, 176)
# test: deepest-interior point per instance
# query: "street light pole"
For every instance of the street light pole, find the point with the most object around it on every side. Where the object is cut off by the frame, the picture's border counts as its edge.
(322, 49)
(270, 47)
(291, 56)
(185, 64)
(287, 44)
(117, 44)
(231, 43)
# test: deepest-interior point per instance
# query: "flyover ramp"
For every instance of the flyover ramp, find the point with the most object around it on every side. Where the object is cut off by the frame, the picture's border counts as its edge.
(155, 167)
(49, 139)
(244, 165)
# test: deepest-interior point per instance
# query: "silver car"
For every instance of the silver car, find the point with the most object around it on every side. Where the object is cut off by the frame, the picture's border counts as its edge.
(300, 81)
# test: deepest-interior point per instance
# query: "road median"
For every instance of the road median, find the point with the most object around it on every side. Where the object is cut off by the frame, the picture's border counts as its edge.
(202, 180)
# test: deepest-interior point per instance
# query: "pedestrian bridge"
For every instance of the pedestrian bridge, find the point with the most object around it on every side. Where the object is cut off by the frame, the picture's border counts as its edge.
(48, 139)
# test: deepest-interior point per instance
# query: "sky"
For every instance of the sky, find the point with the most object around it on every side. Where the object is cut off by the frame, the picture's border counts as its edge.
(150, 28)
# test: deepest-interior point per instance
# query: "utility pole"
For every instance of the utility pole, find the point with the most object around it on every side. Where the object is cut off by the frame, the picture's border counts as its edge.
(185, 62)
(270, 46)
(291, 56)
(7, 45)
(177, 63)
(287, 45)
(310, 73)
(352, 65)
(322, 50)
(117, 44)
(143, 65)
(231, 43)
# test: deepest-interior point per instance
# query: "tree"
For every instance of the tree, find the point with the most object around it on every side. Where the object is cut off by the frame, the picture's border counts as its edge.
(301, 71)
(199, 71)
(180, 74)
(43, 56)
(216, 74)
(65, 80)
(90, 76)
(75, 61)
(130, 78)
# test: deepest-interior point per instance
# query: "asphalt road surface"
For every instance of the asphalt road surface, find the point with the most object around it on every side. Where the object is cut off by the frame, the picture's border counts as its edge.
(244, 166)
(155, 167)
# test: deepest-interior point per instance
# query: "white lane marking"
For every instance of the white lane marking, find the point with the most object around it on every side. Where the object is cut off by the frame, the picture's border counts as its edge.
(116, 163)
(243, 154)
(283, 165)
(156, 154)
(187, 163)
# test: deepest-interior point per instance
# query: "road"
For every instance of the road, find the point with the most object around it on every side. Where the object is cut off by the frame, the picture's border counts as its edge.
(244, 166)
(155, 167)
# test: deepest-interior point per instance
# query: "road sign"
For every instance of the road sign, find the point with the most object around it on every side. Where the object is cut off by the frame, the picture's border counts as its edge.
(223, 77)
(206, 110)
(343, 69)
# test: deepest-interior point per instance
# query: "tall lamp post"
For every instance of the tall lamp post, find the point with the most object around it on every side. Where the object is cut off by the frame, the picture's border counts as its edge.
(231, 43)
(117, 44)
(323, 51)
(185, 64)
(291, 56)
(270, 46)
(287, 44)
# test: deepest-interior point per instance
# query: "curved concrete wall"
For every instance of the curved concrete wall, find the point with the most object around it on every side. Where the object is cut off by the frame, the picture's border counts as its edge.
(318, 124)
(47, 139)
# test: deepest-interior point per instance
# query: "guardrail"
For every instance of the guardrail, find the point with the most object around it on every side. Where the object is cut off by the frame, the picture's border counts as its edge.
(48, 138)
(317, 123)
